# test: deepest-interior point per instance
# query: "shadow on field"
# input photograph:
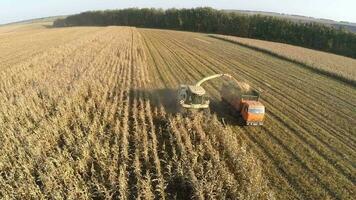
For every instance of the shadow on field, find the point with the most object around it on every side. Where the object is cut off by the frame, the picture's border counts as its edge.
(179, 187)
(48, 26)
(226, 113)
(165, 97)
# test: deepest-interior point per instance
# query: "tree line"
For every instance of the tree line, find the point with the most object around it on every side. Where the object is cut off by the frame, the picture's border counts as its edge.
(310, 35)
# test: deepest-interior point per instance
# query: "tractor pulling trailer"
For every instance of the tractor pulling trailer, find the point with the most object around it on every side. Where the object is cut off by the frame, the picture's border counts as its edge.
(244, 101)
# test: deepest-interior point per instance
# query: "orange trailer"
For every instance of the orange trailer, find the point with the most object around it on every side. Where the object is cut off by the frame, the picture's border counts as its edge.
(246, 103)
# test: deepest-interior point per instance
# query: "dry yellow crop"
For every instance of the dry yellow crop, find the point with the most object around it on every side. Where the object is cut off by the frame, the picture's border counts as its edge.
(78, 121)
(89, 113)
(306, 143)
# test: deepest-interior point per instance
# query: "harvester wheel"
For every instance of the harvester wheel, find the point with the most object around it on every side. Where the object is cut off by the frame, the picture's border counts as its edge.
(206, 112)
(241, 121)
(182, 111)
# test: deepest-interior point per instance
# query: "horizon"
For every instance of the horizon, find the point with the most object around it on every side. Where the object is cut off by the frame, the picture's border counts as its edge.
(288, 14)
(35, 9)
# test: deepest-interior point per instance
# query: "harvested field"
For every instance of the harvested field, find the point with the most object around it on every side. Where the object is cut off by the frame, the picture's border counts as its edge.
(328, 63)
(90, 117)
(307, 144)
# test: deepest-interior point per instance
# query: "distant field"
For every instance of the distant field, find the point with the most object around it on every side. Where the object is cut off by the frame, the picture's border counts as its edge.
(19, 42)
(332, 64)
(89, 113)
(22, 26)
(303, 19)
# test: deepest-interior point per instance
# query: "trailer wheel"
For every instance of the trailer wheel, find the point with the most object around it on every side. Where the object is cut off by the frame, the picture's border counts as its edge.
(240, 120)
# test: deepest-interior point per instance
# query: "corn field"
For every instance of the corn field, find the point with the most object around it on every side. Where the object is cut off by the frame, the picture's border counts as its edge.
(79, 121)
(307, 141)
(90, 113)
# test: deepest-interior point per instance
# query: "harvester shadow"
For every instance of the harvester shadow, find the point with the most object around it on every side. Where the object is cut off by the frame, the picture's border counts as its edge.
(48, 26)
(159, 97)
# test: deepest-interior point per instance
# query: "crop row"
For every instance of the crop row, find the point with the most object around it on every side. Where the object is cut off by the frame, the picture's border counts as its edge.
(305, 143)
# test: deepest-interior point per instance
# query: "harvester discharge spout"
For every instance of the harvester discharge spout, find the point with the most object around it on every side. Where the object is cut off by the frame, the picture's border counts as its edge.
(212, 77)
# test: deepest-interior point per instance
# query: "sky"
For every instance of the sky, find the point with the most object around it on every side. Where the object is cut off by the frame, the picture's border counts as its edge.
(16, 10)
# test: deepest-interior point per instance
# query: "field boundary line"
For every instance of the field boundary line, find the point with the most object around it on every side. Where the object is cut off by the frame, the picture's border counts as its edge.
(304, 65)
